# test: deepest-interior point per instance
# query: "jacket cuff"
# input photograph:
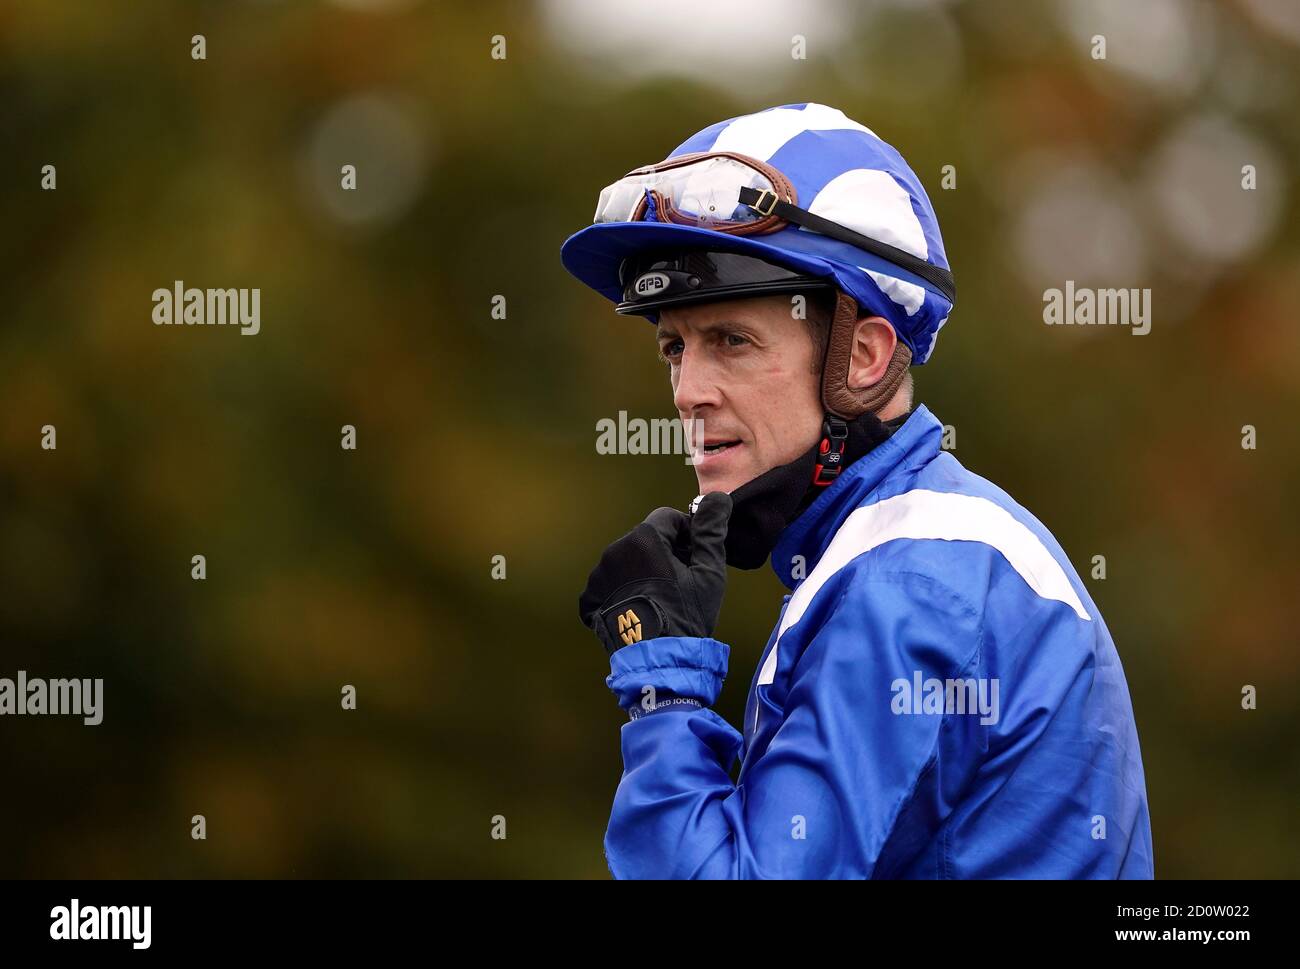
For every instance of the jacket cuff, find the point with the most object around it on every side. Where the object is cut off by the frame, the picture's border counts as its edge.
(682, 666)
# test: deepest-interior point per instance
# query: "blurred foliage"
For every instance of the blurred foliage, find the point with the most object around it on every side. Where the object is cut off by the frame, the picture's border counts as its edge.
(476, 436)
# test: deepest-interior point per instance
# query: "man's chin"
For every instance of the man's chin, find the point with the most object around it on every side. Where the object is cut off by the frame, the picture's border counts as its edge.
(728, 482)
(727, 470)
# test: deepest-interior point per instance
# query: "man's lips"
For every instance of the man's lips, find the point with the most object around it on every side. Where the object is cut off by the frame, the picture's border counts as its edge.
(715, 450)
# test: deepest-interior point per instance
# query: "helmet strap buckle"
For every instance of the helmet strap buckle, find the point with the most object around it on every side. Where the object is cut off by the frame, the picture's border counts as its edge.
(830, 453)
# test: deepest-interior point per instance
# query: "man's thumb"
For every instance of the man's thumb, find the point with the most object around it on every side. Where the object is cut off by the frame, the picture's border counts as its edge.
(709, 530)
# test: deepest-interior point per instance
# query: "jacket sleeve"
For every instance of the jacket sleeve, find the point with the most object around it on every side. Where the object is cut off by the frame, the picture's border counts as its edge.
(846, 784)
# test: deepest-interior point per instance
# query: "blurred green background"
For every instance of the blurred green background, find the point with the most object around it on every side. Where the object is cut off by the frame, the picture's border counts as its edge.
(476, 436)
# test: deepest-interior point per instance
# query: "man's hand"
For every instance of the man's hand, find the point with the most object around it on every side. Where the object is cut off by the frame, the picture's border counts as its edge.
(666, 577)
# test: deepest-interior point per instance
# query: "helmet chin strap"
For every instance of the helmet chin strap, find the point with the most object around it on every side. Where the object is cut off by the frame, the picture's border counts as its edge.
(841, 402)
(764, 507)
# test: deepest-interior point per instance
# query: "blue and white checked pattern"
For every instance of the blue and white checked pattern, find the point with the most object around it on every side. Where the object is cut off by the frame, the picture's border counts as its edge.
(840, 170)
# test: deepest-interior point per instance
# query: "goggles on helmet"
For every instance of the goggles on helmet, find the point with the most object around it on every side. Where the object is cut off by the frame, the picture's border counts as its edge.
(732, 193)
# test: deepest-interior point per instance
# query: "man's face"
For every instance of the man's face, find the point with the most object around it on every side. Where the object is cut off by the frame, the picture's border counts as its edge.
(745, 369)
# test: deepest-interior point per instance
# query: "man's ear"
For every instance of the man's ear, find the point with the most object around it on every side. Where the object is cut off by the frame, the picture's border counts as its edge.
(874, 341)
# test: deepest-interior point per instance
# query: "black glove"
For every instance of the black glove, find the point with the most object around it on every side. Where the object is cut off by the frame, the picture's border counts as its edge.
(666, 577)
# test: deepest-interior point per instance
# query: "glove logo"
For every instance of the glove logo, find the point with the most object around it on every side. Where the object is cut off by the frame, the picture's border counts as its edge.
(629, 628)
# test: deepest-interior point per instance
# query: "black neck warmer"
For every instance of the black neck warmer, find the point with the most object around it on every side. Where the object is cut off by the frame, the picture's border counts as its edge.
(763, 508)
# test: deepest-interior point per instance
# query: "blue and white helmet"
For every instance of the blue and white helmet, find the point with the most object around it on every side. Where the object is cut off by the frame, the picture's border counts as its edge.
(838, 170)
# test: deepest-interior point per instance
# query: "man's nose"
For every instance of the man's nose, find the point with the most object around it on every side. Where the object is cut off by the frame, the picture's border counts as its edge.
(696, 386)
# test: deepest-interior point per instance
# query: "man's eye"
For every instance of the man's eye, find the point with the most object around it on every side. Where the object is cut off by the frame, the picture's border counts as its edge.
(671, 349)
(736, 340)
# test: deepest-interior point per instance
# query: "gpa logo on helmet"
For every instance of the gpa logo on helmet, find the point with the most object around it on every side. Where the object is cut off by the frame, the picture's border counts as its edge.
(651, 283)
